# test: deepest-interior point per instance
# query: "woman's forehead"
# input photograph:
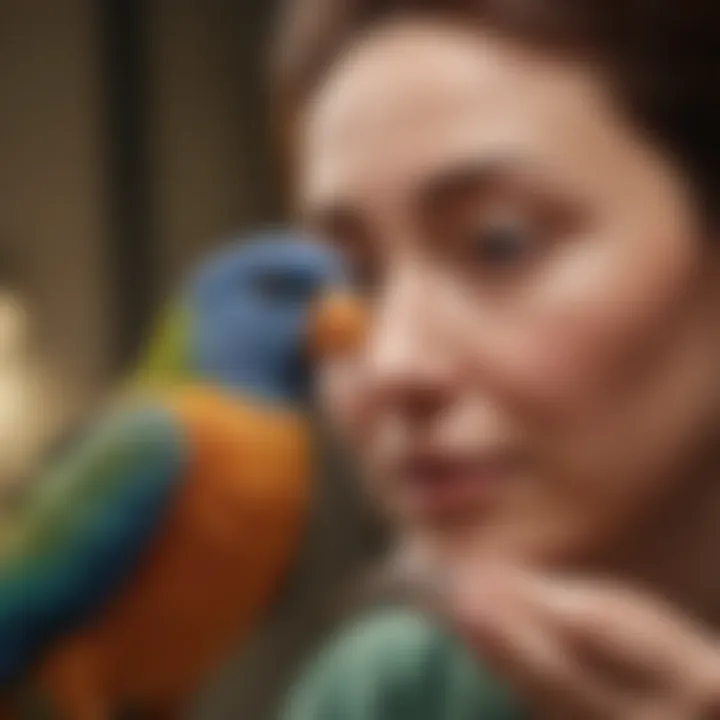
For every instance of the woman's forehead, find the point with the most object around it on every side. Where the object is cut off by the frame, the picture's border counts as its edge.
(407, 105)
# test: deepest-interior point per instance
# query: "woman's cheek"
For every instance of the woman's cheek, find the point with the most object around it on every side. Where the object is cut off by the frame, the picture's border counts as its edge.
(582, 327)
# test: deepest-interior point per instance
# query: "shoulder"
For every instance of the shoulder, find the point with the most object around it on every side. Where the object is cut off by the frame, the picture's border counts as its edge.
(392, 665)
(401, 641)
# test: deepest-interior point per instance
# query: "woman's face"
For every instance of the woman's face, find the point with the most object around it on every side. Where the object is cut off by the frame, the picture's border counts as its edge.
(543, 356)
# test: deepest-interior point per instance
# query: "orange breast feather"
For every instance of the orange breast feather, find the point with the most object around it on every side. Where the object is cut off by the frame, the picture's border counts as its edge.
(227, 545)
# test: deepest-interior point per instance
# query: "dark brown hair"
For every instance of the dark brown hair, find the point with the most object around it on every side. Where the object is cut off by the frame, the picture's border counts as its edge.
(663, 57)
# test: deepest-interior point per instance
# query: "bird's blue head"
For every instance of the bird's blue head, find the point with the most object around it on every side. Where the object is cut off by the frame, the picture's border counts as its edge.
(262, 308)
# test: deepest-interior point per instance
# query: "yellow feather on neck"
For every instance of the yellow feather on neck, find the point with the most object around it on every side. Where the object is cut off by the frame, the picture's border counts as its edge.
(165, 360)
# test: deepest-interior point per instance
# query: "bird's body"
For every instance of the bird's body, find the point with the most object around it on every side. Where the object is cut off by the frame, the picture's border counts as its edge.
(156, 543)
(218, 560)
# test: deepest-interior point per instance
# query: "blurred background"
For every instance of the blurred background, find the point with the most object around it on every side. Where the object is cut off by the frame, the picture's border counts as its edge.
(133, 136)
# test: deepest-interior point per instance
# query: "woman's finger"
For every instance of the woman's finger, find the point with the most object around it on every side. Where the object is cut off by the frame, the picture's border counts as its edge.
(638, 640)
(530, 653)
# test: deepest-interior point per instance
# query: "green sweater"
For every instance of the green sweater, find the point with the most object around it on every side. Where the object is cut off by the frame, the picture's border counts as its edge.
(396, 665)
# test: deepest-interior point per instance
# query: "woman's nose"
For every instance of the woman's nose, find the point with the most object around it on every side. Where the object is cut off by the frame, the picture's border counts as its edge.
(407, 364)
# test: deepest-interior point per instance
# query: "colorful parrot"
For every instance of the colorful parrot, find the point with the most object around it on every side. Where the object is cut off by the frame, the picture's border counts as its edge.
(157, 540)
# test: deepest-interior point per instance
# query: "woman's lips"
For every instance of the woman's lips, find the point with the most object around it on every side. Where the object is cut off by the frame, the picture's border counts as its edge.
(438, 486)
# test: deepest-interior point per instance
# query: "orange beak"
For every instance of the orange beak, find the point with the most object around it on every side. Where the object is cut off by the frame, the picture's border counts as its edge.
(338, 324)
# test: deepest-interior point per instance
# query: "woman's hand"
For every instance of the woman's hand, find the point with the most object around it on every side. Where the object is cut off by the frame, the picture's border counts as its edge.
(577, 650)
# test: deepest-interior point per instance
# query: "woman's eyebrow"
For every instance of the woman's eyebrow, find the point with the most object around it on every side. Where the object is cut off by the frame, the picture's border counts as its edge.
(457, 180)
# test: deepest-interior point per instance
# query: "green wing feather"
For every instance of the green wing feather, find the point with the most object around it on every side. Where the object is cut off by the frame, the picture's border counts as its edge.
(84, 529)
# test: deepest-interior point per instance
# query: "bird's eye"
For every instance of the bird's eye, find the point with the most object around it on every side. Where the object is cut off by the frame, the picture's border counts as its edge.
(278, 287)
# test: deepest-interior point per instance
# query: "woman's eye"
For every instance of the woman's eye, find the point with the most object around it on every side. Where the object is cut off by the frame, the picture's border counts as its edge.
(501, 245)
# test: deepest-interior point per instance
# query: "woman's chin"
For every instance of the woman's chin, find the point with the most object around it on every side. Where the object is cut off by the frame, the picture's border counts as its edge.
(490, 541)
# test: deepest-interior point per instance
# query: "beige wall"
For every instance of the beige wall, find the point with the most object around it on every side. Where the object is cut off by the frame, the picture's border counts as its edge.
(51, 176)
(194, 134)
(211, 169)
(207, 168)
